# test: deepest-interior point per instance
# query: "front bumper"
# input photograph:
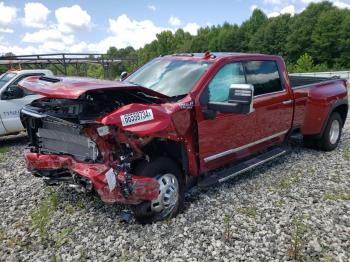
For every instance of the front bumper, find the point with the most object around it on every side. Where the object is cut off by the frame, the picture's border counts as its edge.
(144, 188)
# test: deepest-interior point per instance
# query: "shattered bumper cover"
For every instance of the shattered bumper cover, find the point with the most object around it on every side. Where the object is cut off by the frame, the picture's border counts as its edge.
(144, 188)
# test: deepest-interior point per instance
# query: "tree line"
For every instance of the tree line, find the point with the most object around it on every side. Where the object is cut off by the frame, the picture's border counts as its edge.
(317, 39)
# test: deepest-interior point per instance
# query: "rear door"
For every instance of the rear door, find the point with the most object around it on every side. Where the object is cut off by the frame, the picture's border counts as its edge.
(273, 102)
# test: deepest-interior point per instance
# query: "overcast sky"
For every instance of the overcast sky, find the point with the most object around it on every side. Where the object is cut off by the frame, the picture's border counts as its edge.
(29, 27)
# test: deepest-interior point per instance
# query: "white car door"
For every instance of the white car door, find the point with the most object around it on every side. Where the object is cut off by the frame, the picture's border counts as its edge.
(10, 110)
(11, 105)
(2, 128)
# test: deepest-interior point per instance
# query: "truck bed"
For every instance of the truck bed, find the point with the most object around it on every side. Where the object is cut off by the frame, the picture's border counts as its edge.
(301, 81)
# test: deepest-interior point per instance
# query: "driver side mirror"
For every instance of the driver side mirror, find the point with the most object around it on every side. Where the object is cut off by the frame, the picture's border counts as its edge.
(12, 92)
(240, 100)
(123, 75)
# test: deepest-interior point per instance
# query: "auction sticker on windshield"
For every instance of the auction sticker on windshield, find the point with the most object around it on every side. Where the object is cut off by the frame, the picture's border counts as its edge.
(137, 117)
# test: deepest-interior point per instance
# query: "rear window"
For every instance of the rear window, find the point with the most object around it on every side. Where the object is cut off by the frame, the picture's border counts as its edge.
(264, 76)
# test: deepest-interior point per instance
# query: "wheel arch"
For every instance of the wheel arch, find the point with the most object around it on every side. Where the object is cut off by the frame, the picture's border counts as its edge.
(341, 107)
(342, 110)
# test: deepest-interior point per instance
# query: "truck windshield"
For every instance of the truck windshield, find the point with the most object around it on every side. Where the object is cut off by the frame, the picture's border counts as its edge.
(170, 77)
(4, 78)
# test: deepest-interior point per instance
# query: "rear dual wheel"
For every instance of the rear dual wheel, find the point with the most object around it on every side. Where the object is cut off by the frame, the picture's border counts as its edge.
(330, 137)
(171, 191)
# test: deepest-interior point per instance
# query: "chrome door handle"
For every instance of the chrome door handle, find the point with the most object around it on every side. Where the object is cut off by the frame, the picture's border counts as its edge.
(287, 102)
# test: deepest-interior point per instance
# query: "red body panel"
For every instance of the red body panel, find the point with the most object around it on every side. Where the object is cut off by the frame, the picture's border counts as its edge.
(313, 104)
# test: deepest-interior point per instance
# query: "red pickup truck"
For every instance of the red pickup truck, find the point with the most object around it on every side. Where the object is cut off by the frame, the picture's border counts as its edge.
(175, 122)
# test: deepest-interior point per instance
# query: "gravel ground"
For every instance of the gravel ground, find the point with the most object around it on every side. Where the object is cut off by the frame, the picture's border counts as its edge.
(297, 207)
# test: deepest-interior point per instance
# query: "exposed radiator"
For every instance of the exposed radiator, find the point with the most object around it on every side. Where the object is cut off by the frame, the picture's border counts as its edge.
(60, 138)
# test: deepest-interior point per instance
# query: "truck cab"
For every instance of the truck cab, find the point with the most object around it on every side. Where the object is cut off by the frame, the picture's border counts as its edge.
(13, 98)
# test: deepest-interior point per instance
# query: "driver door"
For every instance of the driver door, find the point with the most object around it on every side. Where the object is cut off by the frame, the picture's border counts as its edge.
(225, 137)
(10, 107)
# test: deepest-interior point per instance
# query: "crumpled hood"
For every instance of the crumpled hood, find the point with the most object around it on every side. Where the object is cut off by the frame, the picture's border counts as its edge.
(73, 88)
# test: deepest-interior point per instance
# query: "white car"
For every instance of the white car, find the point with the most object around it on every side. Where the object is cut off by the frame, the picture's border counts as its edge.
(13, 98)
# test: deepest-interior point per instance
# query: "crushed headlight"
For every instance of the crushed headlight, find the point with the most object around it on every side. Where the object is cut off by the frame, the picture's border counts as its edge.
(103, 130)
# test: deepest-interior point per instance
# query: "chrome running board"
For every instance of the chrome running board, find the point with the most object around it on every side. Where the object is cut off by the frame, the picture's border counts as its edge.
(231, 172)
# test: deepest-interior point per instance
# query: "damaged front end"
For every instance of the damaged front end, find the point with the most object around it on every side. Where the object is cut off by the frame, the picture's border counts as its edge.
(93, 142)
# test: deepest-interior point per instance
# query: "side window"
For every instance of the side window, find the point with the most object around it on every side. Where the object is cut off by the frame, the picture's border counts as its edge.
(219, 86)
(264, 76)
(25, 92)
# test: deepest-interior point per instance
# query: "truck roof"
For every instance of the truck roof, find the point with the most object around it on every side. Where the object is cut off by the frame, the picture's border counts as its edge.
(47, 72)
(214, 56)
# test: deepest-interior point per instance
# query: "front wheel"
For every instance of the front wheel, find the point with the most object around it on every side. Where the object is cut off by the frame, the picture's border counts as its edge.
(171, 191)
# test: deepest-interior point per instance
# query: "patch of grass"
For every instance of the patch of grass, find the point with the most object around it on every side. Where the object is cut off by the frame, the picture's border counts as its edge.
(280, 202)
(227, 228)
(59, 240)
(248, 211)
(346, 153)
(69, 208)
(313, 172)
(298, 240)
(334, 196)
(287, 182)
(3, 235)
(169, 218)
(83, 256)
(15, 241)
(4, 150)
(62, 237)
(42, 216)
(80, 204)
(56, 258)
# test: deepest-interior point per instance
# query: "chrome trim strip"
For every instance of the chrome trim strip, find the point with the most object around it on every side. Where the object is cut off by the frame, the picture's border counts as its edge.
(36, 115)
(235, 150)
(272, 93)
(252, 166)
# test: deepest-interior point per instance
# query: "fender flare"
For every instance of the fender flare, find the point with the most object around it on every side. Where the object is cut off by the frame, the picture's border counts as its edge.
(330, 111)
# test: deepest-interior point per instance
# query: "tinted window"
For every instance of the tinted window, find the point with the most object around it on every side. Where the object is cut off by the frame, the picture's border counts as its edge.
(219, 86)
(264, 76)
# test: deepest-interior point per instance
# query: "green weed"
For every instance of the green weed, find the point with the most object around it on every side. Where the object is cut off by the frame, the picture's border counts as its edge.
(248, 211)
(287, 182)
(298, 240)
(334, 196)
(42, 216)
(346, 153)
(280, 202)
(4, 150)
(227, 227)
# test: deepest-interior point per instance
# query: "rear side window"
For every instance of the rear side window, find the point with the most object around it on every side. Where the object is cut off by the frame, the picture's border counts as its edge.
(264, 76)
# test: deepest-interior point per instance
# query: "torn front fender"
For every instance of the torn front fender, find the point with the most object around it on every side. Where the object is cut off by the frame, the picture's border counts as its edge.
(169, 117)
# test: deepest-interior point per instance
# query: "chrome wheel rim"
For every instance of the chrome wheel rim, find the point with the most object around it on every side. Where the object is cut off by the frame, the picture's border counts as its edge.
(168, 194)
(334, 132)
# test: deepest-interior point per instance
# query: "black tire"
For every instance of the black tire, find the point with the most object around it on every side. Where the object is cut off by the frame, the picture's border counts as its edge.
(325, 142)
(159, 166)
(310, 142)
